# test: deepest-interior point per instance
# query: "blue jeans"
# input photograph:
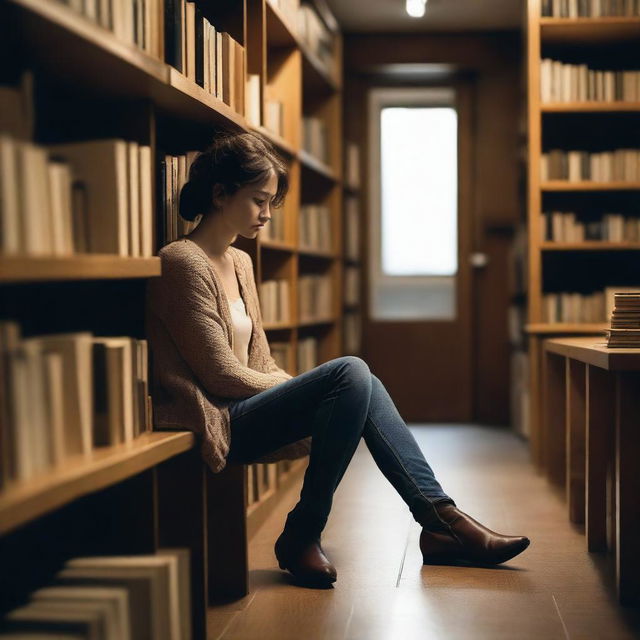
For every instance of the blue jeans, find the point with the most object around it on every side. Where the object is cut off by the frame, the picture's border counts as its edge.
(336, 403)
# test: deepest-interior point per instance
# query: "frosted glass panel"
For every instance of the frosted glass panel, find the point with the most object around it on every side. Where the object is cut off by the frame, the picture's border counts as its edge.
(419, 186)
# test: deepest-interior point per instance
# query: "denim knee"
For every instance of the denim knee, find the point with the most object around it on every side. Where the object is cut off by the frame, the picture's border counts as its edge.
(354, 369)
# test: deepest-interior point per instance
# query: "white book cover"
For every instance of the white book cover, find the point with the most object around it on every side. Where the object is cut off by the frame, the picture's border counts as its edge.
(10, 223)
(133, 192)
(60, 180)
(146, 202)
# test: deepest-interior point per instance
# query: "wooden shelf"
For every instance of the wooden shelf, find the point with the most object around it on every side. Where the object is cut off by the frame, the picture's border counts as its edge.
(276, 140)
(81, 475)
(274, 326)
(314, 321)
(566, 327)
(589, 30)
(584, 107)
(592, 245)
(91, 56)
(316, 165)
(279, 32)
(277, 245)
(317, 253)
(565, 185)
(78, 267)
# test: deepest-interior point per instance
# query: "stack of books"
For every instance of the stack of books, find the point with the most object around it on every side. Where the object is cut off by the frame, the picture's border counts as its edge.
(113, 597)
(625, 321)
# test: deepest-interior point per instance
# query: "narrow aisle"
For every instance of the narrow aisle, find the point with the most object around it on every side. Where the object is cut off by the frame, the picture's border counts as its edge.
(554, 590)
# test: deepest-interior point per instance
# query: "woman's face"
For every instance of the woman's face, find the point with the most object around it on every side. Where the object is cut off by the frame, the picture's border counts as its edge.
(250, 207)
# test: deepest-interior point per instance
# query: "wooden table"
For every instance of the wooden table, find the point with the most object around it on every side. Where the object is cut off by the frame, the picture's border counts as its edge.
(590, 443)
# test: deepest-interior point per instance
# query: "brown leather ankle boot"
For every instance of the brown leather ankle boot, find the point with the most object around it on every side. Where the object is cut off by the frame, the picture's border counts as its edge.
(305, 560)
(460, 537)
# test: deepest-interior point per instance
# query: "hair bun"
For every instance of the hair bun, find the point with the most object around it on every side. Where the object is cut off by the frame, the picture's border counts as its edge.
(193, 200)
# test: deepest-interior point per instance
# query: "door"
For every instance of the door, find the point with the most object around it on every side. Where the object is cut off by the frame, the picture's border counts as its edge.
(417, 333)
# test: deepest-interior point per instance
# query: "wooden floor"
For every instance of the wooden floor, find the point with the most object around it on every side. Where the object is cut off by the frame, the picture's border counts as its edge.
(555, 589)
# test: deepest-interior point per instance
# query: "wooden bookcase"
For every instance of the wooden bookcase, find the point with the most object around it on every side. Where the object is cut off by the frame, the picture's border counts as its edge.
(603, 43)
(132, 499)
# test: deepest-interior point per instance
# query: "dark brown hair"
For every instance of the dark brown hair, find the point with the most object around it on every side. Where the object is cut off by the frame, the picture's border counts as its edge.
(232, 161)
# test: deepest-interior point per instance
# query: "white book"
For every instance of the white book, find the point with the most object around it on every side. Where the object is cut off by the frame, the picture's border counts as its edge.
(146, 202)
(102, 166)
(36, 617)
(116, 597)
(54, 404)
(76, 352)
(133, 192)
(10, 220)
(60, 180)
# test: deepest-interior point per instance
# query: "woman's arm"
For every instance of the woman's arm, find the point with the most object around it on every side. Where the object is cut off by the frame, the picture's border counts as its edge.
(182, 299)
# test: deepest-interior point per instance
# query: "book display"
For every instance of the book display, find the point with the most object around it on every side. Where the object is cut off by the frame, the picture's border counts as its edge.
(95, 144)
(583, 172)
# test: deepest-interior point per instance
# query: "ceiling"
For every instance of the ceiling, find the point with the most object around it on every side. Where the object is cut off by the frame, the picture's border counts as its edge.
(390, 16)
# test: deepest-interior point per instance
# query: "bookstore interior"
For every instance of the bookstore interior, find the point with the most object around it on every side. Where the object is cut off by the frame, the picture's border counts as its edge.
(109, 527)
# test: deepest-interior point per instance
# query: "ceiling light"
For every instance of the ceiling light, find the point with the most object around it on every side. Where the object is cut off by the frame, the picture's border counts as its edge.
(415, 8)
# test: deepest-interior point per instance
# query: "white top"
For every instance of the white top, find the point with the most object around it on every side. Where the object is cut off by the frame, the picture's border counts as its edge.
(241, 330)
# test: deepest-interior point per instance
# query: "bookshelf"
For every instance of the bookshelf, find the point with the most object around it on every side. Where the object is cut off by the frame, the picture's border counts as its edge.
(126, 498)
(581, 167)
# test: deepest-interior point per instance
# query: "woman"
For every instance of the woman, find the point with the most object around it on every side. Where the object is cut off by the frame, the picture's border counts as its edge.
(213, 372)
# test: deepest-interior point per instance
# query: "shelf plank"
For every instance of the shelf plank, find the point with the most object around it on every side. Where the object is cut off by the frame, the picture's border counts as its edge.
(566, 327)
(589, 30)
(274, 326)
(77, 267)
(314, 321)
(317, 253)
(591, 245)
(277, 245)
(315, 164)
(587, 185)
(573, 107)
(276, 140)
(81, 475)
(279, 32)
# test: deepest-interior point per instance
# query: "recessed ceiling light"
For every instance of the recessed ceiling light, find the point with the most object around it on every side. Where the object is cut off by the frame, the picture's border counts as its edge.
(415, 8)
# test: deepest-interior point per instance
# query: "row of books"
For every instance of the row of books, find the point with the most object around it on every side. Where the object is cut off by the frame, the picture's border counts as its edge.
(589, 8)
(134, 597)
(351, 228)
(315, 227)
(314, 297)
(274, 301)
(174, 172)
(307, 353)
(136, 22)
(280, 352)
(625, 321)
(352, 164)
(580, 307)
(212, 59)
(563, 226)
(563, 82)
(351, 285)
(313, 32)
(93, 196)
(621, 165)
(62, 395)
(315, 138)
(351, 325)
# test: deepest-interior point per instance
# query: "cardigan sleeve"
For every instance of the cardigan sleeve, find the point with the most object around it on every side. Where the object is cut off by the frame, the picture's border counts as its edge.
(261, 335)
(185, 304)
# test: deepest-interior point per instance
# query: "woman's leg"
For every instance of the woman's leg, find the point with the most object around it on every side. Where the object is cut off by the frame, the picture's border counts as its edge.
(330, 403)
(399, 457)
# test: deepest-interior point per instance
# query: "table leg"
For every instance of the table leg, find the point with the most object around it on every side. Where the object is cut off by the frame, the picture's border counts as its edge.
(575, 432)
(599, 448)
(628, 487)
(553, 425)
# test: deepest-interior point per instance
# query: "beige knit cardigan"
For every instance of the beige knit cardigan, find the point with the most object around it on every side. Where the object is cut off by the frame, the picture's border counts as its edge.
(195, 373)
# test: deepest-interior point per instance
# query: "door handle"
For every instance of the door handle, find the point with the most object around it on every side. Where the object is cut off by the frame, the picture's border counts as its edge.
(479, 259)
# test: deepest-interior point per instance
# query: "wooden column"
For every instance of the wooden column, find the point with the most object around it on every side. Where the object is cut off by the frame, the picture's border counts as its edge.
(627, 483)
(575, 433)
(600, 420)
(552, 432)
